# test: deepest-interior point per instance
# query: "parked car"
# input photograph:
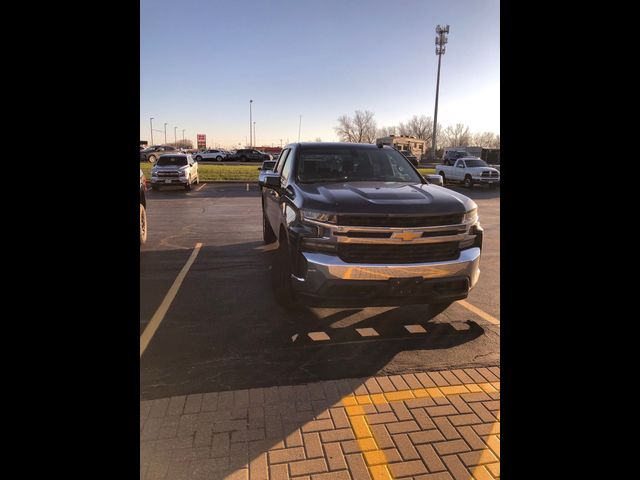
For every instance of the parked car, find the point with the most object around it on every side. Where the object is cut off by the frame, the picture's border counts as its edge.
(411, 157)
(143, 208)
(470, 171)
(151, 154)
(357, 225)
(211, 154)
(175, 169)
(250, 155)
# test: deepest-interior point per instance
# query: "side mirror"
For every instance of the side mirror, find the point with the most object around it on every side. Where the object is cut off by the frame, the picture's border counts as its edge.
(460, 166)
(435, 179)
(272, 180)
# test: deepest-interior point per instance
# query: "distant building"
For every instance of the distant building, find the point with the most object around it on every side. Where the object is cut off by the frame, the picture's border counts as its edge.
(416, 146)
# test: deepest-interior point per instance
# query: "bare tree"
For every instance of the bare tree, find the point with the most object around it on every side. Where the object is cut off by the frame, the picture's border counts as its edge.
(404, 129)
(387, 131)
(318, 139)
(421, 127)
(456, 136)
(484, 139)
(361, 128)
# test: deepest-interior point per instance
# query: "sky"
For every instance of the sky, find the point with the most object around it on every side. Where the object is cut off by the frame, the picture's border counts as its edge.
(201, 61)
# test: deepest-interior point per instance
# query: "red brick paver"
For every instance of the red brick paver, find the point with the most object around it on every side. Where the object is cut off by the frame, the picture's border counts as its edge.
(425, 425)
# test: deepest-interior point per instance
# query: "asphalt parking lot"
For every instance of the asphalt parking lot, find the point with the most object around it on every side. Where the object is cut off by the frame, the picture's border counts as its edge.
(224, 330)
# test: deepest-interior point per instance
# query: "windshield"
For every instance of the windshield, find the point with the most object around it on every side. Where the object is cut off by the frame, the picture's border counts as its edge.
(173, 161)
(476, 163)
(339, 164)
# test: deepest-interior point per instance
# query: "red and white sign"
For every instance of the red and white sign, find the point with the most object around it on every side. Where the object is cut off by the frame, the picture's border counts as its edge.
(202, 140)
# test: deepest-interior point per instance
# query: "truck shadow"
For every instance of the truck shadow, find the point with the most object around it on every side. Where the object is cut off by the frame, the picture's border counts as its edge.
(225, 330)
(225, 333)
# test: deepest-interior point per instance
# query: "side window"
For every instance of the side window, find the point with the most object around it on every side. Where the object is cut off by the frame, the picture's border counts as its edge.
(281, 160)
(286, 168)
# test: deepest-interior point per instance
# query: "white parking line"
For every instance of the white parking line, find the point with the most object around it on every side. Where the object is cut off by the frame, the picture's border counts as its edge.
(154, 323)
(482, 314)
(200, 187)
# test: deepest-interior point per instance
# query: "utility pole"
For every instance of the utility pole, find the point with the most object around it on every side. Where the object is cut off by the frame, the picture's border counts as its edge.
(151, 122)
(165, 133)
(280, 143)
(299, 128)
(441, 41)
(175, 136)
(250, 123)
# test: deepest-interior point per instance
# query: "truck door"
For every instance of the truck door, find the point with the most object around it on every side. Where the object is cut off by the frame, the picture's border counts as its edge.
(459, 170)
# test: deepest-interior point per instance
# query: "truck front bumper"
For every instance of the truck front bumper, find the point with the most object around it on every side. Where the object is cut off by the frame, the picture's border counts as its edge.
(486, 180)
(160, 181)
(328, 281)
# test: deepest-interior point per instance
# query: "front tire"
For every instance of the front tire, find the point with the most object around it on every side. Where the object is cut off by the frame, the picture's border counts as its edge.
(151, 158)
(198, 159)
(218, 158)
(468, 181)
(187, 187)
(444, 179)
(143, 224)
(281, 273)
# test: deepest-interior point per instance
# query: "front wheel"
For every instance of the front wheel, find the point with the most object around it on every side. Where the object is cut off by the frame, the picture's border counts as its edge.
(143, 224)
(218, 158)
(468, 182)
(151, 158)
(198, 159)
(444, 179)
(187, 187)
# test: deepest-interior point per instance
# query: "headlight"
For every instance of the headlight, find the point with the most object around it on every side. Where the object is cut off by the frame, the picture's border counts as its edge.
(471, 216)
(154, 174)
(317, 216)
(182, 173)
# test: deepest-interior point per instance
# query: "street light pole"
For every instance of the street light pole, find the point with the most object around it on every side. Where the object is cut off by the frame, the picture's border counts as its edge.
(165, 133)
(254, 134)
(175, 136)
(151, 122)
(299, 127)
(250, 123)
(441, 41)
(183, 138)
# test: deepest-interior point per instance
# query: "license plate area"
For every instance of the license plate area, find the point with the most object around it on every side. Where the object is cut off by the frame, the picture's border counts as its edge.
(404, 287)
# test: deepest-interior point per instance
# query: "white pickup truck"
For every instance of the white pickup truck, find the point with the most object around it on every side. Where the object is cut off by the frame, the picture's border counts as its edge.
(469, 171)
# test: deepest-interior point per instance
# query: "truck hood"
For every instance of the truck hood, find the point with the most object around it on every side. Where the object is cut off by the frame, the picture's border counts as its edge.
(384, 197)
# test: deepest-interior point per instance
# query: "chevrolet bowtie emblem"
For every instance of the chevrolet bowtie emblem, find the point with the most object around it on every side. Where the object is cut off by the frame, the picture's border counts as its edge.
(407, 235)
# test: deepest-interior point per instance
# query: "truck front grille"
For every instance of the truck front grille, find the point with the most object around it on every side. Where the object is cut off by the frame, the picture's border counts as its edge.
(167, 174)
(393, 254)
(399, 221)
(494, 174)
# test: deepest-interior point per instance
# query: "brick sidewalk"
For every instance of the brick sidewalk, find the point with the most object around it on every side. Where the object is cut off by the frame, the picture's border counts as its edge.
(426, 426)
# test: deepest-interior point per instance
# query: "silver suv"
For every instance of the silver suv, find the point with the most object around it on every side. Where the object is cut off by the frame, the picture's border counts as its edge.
(152, 154)
(178, 169)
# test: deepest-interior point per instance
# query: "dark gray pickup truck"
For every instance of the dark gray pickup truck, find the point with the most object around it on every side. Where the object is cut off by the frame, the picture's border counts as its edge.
(357, 225)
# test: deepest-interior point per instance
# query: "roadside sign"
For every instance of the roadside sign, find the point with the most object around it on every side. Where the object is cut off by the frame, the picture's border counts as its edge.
(202, 140)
